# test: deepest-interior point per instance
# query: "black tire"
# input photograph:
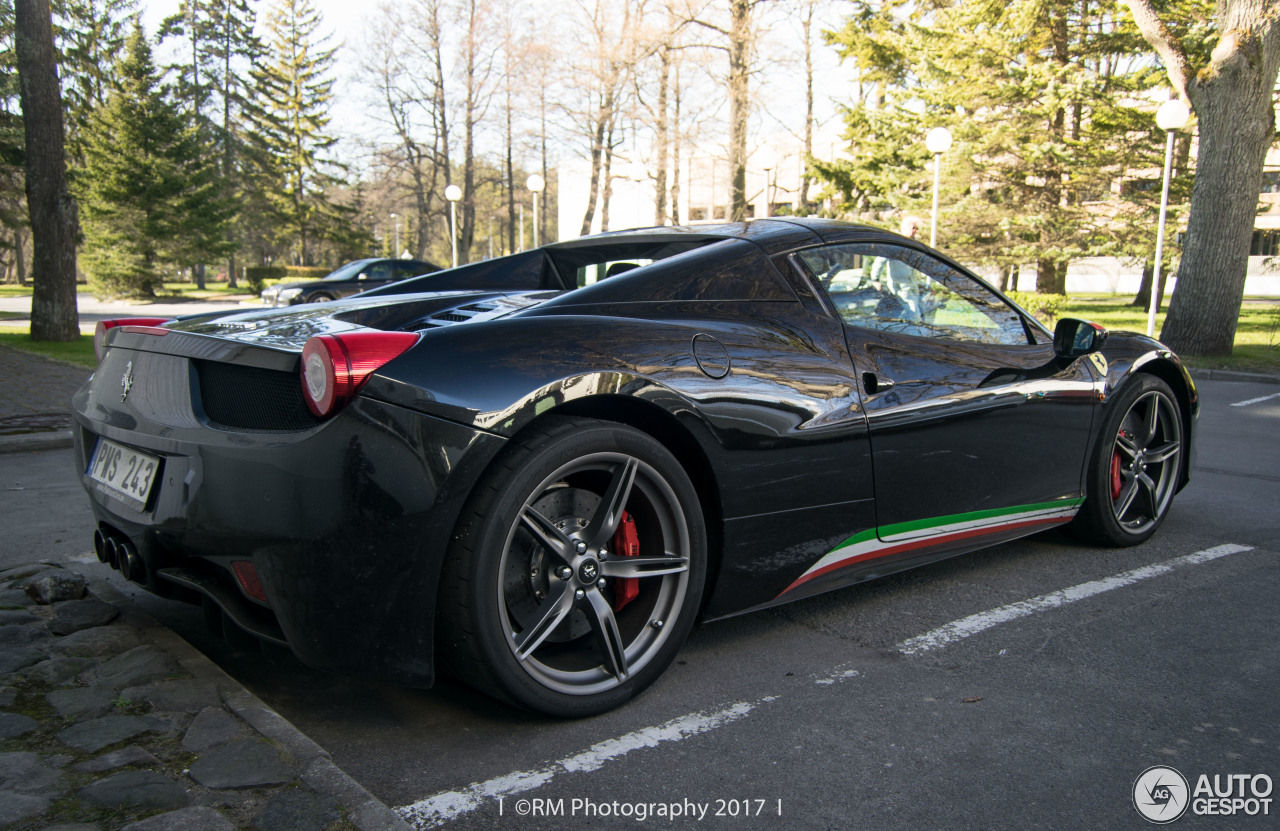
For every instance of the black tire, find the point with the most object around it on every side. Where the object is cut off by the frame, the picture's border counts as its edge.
(533, 607)
(1136, 465)
(320, 297)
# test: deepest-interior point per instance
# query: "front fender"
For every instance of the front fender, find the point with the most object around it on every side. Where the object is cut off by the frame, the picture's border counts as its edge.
(1127, 355)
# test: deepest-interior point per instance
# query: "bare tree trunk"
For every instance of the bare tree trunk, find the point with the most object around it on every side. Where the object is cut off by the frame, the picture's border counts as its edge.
(54, 220)
(593, 183)
(477, 70)
(1051, 277)
(511, 181)
(1143, 298)
(606, 181)
(1236, 127)
(1232, 97)
(676, 139)
(228, 153)
(661, 139)
(19, 257)
(805, 179)
(739, 104)
(541, 196)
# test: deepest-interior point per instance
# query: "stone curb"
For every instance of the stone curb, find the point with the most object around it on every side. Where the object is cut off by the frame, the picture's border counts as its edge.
(33, 442)
(364, 810)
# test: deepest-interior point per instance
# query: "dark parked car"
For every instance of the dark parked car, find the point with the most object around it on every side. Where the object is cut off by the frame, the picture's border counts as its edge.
(352, 278)
(541, 476)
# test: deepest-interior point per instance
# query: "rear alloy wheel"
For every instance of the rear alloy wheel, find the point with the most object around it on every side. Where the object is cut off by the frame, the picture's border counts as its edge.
(1137, 465)
(578, 572)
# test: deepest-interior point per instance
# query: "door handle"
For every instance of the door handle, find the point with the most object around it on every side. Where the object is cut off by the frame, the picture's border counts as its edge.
(874, 384)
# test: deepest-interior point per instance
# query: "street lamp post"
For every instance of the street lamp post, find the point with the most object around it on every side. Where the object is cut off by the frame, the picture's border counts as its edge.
(938, 142)
(1171, 117)
(453, 193)
(395, 251)
(535, 183)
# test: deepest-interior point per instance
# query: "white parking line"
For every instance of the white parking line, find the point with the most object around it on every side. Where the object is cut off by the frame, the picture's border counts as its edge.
(436, 810)
(1256, 400)
(972, 625)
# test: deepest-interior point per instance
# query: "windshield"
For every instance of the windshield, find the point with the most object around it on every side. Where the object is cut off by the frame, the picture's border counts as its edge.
(348, 271)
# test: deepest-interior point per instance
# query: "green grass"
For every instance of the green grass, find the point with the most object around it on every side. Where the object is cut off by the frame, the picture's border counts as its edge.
(1257, 346)
(212, 291)
(171, 292)
(78, 352)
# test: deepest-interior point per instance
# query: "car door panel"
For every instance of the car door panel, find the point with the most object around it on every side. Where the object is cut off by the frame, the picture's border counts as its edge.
(1003, 421)
(973, 423)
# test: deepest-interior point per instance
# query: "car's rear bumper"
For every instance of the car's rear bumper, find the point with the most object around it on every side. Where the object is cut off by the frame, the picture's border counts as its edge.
(346, 525)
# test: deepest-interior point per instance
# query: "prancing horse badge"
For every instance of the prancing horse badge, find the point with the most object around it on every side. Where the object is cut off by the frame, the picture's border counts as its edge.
(126, 381)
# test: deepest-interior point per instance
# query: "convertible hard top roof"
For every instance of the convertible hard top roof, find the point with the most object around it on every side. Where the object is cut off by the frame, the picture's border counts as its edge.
(774, 235)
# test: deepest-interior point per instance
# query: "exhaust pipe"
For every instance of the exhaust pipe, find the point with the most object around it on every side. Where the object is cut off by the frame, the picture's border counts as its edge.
(113, 553)
(131, 565)
(119, 552)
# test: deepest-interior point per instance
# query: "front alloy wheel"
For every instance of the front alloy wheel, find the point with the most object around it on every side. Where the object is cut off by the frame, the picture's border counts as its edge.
(1137, 466)
(1144, 462)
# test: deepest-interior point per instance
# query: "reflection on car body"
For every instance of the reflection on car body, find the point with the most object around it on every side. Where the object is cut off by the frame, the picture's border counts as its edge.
(352, 278)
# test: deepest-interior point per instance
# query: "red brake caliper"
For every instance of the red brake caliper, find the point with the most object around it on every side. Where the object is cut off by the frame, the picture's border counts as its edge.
(626, 543)
(1116, 482)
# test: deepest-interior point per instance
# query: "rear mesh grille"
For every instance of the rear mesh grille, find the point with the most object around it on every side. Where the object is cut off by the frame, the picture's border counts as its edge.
(250, 398)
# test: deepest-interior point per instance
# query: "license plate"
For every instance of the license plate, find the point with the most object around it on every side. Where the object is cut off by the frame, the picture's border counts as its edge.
(123, 471)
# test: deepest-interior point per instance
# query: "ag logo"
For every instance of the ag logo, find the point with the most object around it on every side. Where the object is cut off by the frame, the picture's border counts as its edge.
(1161, 794)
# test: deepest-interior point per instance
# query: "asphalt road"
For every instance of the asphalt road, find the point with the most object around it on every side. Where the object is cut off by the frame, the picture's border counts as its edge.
(816, 716)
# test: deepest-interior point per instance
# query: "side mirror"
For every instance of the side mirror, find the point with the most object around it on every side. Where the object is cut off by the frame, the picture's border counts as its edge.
(362, 276)
(1074, 338)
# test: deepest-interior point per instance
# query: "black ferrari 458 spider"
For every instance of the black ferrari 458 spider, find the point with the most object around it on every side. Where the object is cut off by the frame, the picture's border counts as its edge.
(537, 472)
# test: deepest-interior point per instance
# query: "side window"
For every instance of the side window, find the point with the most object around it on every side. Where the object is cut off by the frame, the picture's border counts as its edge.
(596, 272)
(897, 289)
(379, 271)
(405, 270)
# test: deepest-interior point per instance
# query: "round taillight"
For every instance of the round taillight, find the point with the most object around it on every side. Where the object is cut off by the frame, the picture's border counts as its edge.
(335, 367)
(319, 375)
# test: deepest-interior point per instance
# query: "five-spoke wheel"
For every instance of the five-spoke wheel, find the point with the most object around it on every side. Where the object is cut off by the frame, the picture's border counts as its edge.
(1137, 464)
(579, 574)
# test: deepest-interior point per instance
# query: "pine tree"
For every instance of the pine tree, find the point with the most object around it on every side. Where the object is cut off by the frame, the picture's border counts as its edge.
(295, 88)
(12, 153)
(1041, 96)
(150, 196)
(92, 38)
(235, 49)
(213, 85)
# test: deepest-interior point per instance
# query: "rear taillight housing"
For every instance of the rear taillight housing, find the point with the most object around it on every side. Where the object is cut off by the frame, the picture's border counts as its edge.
(335, 367)
(150, 325)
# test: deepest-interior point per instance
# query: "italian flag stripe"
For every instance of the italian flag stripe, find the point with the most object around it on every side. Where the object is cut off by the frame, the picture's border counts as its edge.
(927, 533)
